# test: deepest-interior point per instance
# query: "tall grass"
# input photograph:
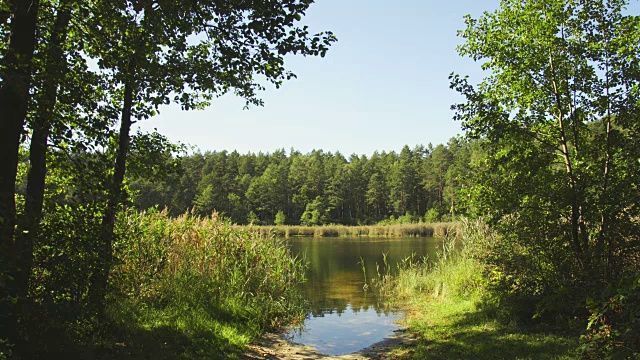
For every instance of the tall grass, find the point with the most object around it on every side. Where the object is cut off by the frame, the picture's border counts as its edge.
(457, 269)
(449, 306)
(201, 280)
(397, 230)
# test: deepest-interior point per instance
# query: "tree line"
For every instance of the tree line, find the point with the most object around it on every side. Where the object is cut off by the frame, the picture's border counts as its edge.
(317, 188)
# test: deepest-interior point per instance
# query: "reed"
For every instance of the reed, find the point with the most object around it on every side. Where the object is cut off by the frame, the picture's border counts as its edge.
(203, 279)
(440, 229)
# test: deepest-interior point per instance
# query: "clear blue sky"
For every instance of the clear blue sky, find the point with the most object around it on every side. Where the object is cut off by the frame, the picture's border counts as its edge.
(382, 85)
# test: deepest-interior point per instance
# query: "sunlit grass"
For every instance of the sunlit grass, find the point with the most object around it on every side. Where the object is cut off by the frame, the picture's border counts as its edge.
(460, 328)
(193, 288)
(397, 230)
(450, 312)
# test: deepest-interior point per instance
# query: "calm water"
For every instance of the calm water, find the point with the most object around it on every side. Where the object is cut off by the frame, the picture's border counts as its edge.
(345, 318)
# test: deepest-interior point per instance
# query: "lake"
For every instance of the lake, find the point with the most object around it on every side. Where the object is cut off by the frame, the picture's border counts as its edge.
(343, 316)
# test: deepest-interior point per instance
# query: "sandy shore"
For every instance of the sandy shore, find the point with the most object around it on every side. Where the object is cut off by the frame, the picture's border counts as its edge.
(273, 346)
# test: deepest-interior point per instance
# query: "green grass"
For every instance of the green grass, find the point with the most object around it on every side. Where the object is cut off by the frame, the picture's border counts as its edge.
(221, 331)
(450, 312)
(213, 285)
(461, 329)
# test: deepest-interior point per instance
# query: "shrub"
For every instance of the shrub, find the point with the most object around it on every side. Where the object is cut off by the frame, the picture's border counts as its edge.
(432, 215)
(613, 330)
(281, 219)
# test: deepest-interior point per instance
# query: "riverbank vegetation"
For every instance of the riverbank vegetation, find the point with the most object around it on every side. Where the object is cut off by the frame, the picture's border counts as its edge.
(558, 116)
(550, 162)
(399, 230)
(452, 309)
(184, 287)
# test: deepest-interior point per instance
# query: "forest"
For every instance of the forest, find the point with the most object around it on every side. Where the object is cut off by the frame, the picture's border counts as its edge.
(318, 188)
(544, 184)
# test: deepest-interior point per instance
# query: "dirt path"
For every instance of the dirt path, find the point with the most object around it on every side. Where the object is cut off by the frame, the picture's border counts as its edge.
(275, 347)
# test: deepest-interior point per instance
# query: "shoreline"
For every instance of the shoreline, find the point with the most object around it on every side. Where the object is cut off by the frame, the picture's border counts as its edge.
(440, 229)
(275, 347)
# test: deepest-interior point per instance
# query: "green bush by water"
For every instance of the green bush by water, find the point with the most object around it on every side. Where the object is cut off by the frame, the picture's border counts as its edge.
(202, 280)
(179, 288)
(451, 308)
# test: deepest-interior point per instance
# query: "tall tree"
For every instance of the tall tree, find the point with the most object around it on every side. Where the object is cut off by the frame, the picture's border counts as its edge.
(148, 50)
(558, 110)
(16, 73)
(51, 74)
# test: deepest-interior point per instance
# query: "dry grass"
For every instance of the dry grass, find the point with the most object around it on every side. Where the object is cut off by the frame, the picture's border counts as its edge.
(439, 229)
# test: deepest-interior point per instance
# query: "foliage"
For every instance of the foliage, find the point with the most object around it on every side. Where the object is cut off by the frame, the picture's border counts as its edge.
(450, 310)
(253, 219)
(144, 55)
(432, 215)
(161, 261)
(558, 112)
(319, 188)
(175, 279)
(281, 218)
(613, 329)
(316, 213)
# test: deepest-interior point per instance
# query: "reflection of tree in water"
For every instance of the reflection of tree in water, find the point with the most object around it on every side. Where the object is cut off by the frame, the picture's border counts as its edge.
(335, 279)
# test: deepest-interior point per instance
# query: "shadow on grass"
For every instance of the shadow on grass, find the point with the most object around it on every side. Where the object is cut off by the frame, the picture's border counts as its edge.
(473, 335)
(158, 334)
(168, 343)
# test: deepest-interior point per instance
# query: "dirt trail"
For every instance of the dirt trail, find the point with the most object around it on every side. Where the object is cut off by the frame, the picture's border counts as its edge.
(275, 347)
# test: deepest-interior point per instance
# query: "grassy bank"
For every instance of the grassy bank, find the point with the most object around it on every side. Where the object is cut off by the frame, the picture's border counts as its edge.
(398, 230)
(185, 288)
(450, 311)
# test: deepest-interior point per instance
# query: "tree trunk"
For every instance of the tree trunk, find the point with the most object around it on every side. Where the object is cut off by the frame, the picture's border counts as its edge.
(576, 213)
(28, 223)
(100, 277)
(14, 95)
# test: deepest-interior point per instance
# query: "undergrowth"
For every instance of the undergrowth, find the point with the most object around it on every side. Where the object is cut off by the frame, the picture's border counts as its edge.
(451, 311)
(199, 281)
(184, 288)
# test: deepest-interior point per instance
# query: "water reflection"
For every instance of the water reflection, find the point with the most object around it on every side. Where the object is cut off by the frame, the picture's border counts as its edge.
(343, 316)
(338, 333)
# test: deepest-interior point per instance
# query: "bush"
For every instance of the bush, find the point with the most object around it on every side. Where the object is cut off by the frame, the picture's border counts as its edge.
(613, 330)
(431, 216)
(457, 271)
(281, 219)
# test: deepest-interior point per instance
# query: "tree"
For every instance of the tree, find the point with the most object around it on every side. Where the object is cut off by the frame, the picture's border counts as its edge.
(145, 48)
(281, 219)
(559, 112)
(316, 213)
(377, 191)
(16, 74)
(403, 182)
(436, 174)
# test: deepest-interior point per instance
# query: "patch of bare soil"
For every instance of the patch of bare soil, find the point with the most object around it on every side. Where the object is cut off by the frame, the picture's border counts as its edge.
(276, 347)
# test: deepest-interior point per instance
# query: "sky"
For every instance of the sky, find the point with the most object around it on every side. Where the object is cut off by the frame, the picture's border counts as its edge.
(383, 85)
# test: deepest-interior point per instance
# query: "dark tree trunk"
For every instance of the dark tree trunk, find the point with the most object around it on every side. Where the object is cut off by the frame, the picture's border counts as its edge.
(14, 94)
(98, 289)
(28, 223)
